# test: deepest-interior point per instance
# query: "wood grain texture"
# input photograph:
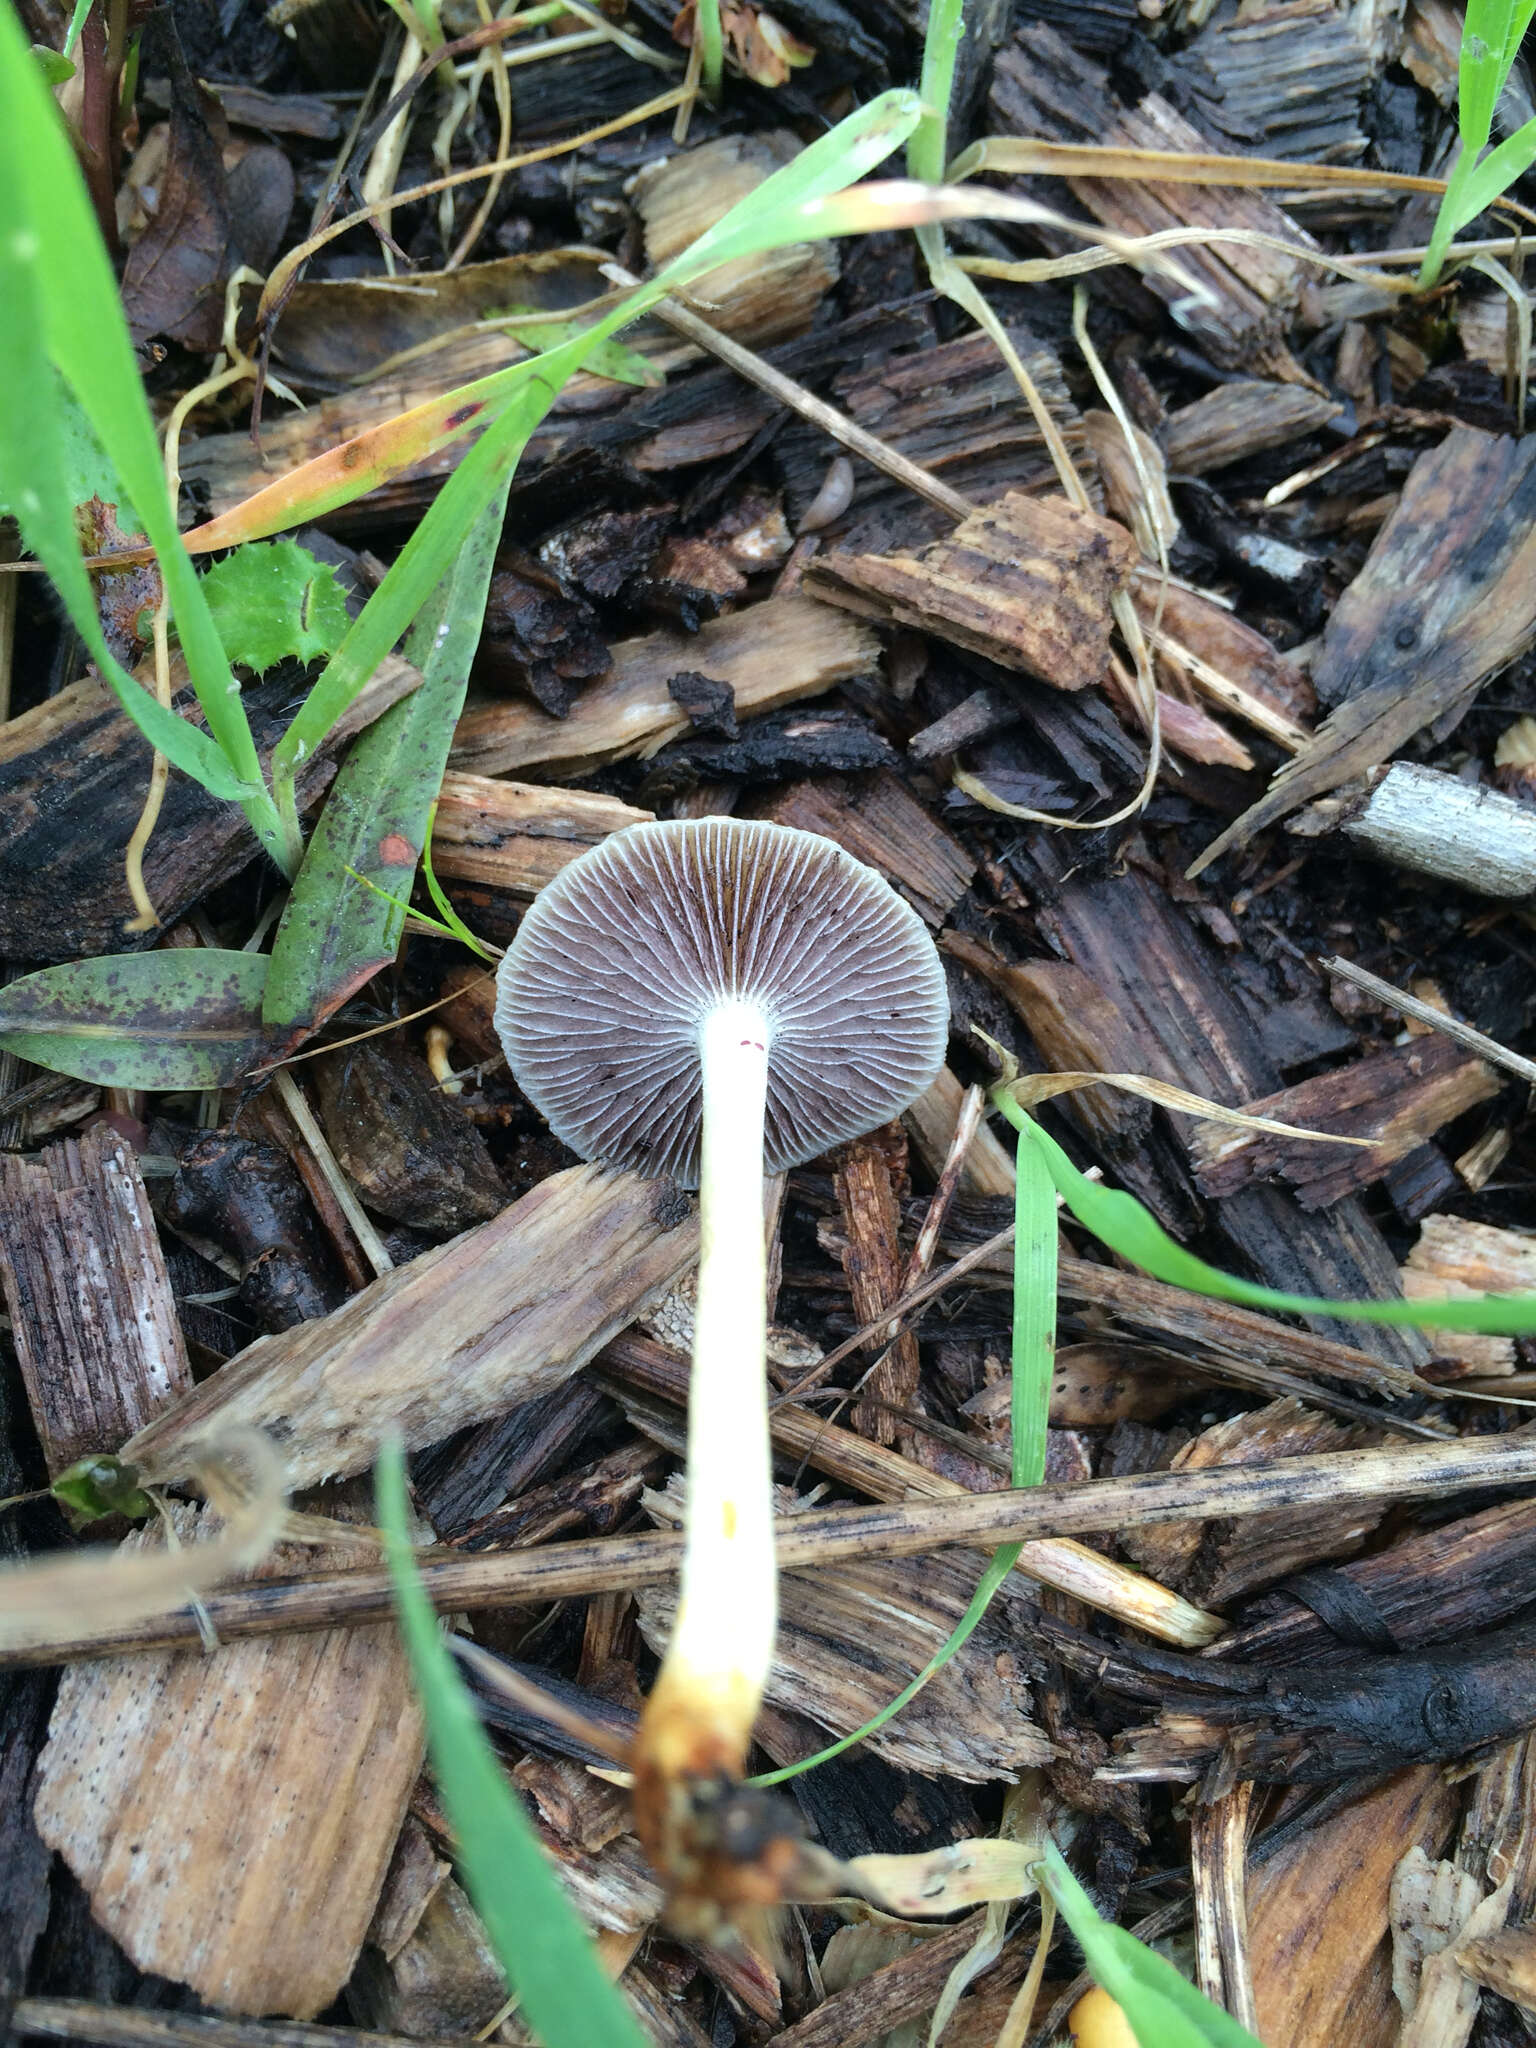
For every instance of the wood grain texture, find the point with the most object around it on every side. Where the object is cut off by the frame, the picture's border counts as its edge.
(774, 653)
(495, 1317)
(232, 1816)
(519, 835)
(92, 1314)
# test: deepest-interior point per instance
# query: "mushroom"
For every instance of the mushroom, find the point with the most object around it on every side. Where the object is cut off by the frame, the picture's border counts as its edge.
(711, 999)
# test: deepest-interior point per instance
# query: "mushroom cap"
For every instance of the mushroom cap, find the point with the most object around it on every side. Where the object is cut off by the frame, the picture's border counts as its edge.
(603, 992)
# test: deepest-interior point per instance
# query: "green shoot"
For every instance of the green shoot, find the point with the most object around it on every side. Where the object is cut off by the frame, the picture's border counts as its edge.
(1164, 2009)
(1490, 42)
(706, 26)
(1034, 1346)
(550, 1962)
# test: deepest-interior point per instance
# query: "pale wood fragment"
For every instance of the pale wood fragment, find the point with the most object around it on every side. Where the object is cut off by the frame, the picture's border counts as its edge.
(1027, 582)
(1318, 1916)
(1434, 1907)
(880, 822)
(1436, 824)
(774, 653)
(519, 835)
(232, 1816)
(495, 1317)
(92, 1314)
(866, 1195)
(1455, 1257)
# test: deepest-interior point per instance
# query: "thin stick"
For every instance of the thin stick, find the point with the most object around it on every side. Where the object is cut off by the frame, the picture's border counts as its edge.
(368, 1238)
(565, 1571)
(1426, 1013)
(119, 2026)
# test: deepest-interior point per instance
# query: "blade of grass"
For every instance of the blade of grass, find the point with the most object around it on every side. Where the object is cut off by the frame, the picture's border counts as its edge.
(1034, 1351)
(1120, 1222)
(1164, 2009)
(550, 1962)
(337, 931)
(81, 322)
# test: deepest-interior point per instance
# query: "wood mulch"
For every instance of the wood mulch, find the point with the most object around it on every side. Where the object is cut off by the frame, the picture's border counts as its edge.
(1287, 1734)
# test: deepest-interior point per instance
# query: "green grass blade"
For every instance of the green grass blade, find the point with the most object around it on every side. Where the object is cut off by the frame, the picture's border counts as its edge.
(342, 923)
(706, 27)
(1163, 2008)
(85, 336)
(1034, 1350)
(539, 1941)
(1490, 179)
(928, 149)
(1121, 1222)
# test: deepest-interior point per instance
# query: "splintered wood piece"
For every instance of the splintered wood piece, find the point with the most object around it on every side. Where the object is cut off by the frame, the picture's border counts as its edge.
(1045, 89)
(1226, 661)
(866, 1195)
(1027, 582)
(497, 1316)
(1455, 1256)
(1318, 1916)
(771, 654)
(1218, 1844)
(679, 197)
(441, 1982)
(1290, 78)
(1234, 421)
(1398, 1097)
(870, 2010)
(519, 835)
(850, 1639)
(1434, 1907)
(232, 1816)
(1217, 1564)
(930, 1123)
(1504, 1961)
(1446, 597)
(92, 1315)
(880, 822)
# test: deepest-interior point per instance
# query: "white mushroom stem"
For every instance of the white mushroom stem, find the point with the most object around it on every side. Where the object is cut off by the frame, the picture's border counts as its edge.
(711, 1682)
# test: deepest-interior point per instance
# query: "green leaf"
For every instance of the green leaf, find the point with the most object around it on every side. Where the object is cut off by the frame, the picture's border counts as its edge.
(181, 1018)
(608, 359)
(1121, 1222)
(337, 931)
(271, 600)
(97, 1486)
(550, 1962)
(1163, 2008)
(1492, 178)
(60, 306)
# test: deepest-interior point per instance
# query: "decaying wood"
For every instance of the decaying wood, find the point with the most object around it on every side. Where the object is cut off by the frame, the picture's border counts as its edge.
(1234, 421)
(519, 835)
(1025, 582)
(774, 653)
(1225, 660)
(1218, 1841)
(500, 1314)
(1287, 78)
(407, 1148)
(953, 408)
(72, 778)
(1435, 824)
(902, 1990)
(1190, 1029)
(1044, 89)
(838, 1661)
(441, 1982)
(1446, 597)
(1503, 1961)
(1318, 1916)
(1454, 1256)
(233, 1815)
(831, 1536)
(632, 1363)
(126, 2026)
(762, 297)
(1434, 1907)
(1397, 1097)
(1428, 1014)
(879, 821)
(1216, 1564)
(866, 1195)
(92, 1314)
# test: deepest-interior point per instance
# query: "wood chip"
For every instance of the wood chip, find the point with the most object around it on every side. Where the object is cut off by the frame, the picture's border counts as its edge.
(1025, 582)
(519, 835)
(92, 1315)
(772, 654)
